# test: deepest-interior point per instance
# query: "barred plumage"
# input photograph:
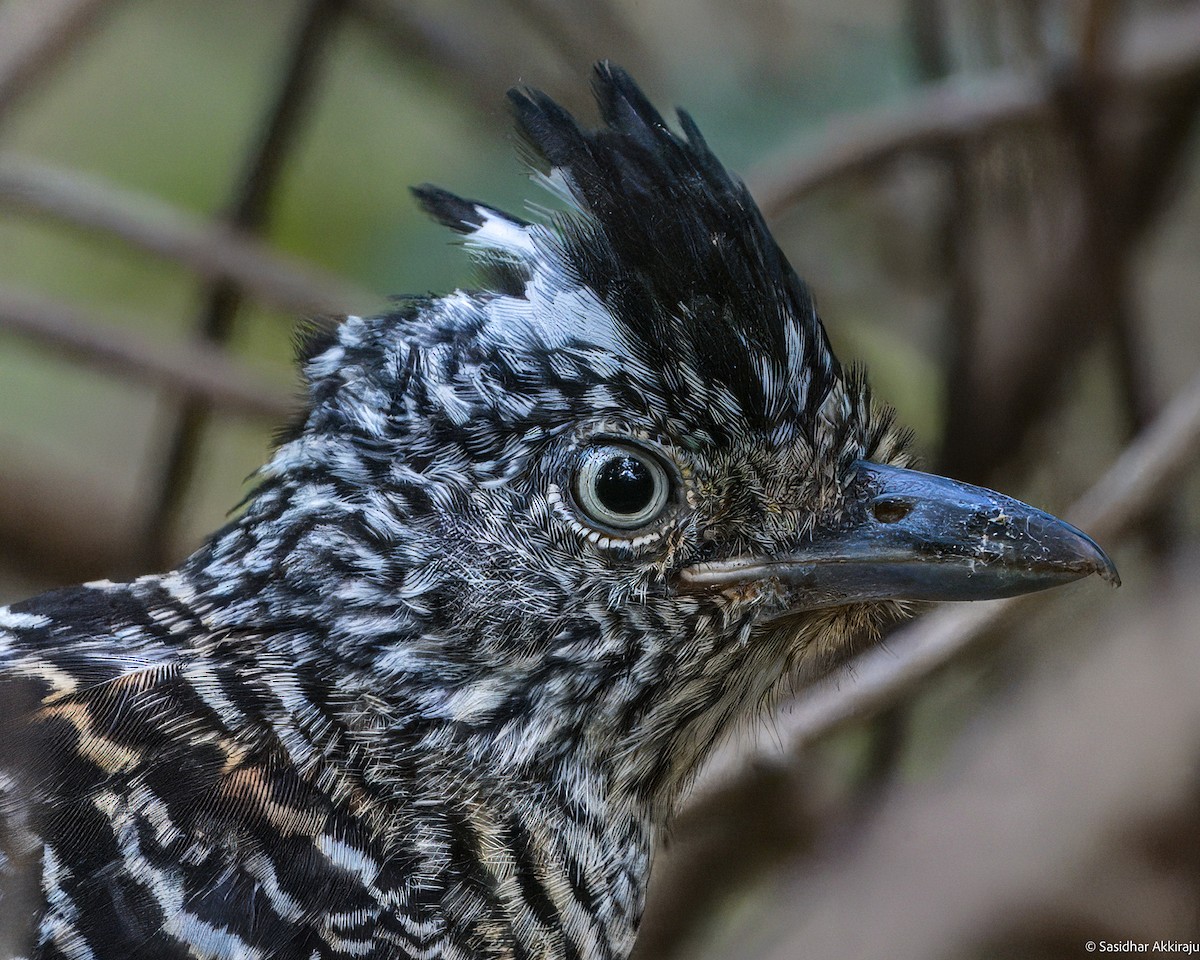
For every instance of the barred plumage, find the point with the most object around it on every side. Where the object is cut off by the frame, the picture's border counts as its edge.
(530, 550)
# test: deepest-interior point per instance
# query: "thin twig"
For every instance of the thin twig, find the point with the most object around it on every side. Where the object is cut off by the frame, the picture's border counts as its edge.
(210, 250)
(1163, 49)
(199, 369)
(34, 37)
(1150, 466)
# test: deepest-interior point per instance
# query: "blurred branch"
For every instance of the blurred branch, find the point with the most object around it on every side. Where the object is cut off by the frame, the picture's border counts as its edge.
(725, 843)
(198, 369)
(1106, 169)
(1160, 50)
(82, 529)
(441, 44)
(612, 35)
(953, 234)
(480, 56)
(941, 113)
(583, 32)
(956, 231)
(1077, 287)
(58, 527)
(557, 25)
(1096, 36)
(248, 213)
(1134, 485)
(212, 251)
(1147, 472)
(34, 37)
(1042, 809)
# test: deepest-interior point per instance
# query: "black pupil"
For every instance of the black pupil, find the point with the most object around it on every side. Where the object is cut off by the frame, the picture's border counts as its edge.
(624, 485)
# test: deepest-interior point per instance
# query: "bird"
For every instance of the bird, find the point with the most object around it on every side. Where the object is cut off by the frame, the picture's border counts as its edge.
(528, 552)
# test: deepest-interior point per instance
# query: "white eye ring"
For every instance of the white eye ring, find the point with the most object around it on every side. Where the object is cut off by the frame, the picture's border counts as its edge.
(621, 487)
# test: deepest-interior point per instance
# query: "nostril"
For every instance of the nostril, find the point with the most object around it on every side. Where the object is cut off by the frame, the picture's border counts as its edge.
(706, 550)
(890, 509)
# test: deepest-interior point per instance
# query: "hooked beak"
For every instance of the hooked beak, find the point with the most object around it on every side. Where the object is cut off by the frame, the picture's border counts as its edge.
(916, 536)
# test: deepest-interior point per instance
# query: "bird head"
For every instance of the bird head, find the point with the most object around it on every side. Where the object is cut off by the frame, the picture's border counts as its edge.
(624, 493)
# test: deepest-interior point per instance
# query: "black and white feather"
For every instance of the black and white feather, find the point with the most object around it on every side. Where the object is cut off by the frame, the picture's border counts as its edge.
(420, 700)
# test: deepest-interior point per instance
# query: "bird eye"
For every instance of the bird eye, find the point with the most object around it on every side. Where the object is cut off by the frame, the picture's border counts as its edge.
(622, 487)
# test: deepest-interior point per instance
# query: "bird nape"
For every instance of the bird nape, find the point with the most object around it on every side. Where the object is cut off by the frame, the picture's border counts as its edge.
(530, 550)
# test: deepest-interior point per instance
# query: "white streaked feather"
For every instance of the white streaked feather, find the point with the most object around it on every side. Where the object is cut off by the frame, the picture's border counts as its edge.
(500, 234)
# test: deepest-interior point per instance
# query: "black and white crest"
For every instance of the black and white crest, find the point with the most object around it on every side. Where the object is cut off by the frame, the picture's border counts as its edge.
(668, 241)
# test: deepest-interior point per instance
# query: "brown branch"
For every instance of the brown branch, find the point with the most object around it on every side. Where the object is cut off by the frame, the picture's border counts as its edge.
(1040, 808)
(1162, 49)
(1080, 285)
(942, 113)
(199, 369)
(35, 36)
(212, 251)
(1108, 170)
(1152, 466)
(1136, 483)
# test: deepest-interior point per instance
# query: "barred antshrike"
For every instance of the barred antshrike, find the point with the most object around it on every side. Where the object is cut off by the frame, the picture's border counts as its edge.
(529, 552)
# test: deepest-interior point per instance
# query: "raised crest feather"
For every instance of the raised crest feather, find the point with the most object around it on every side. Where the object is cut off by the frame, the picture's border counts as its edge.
(672, 243)
(483, 225)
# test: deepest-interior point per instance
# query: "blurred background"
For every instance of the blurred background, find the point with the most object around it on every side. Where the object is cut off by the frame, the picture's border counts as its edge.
(996, 204)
